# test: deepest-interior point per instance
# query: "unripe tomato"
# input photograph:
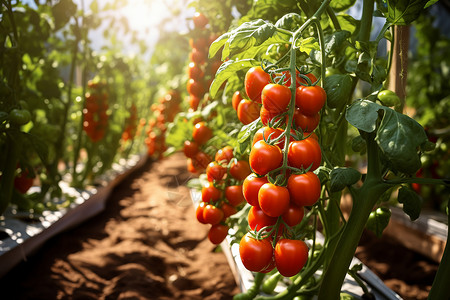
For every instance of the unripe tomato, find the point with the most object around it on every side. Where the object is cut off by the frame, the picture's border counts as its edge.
(255, 80)
(19, 116)
(388, 98)
(248, 111)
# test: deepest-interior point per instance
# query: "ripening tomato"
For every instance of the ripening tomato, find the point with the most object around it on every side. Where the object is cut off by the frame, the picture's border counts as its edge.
(305, 154)
(257, 219)
(255, 80)
(290, 256)
(195, 71)
(305, 122)
(190, 149)
(217, 233)
(265, 158)
(275, 97)
(228, 210)
(212, 215)
(240, 169)
(304, 188)
(310, 99)
(214, 171)
(255, 254)
(194, 101)
(198, 56)
(273, 199)
(293, 215)
(210, 193)
(266, 132)
(237, 97)
(200, 20)
(234, 195)
(195, 88)
(268, 116)
(248, 111)
(224, 155)
(199, 212)
(202, 133)
(251, 186)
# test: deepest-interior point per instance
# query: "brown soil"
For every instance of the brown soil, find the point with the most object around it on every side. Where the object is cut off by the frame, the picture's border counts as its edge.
(147, 244)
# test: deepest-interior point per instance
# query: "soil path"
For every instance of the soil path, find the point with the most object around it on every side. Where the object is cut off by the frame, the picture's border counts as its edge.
(147, 244)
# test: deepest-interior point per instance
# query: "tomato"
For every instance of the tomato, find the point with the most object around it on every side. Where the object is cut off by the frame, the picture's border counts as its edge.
(200, 20)
(290, 256)
(240, 169)
(198, 56)
(20, 116)
(194, 101)
(190, 149)
(199, 212)
(195, 87)
(275, 97)
(305, 122)
(255, 80)
(224, 155)
(305, 154)
(255, 254)
(293, 215)
(237, 97)
(214, 171)
(310, 99)
(265, 132)
(265, 158)
(228, 210)
(210, 193)
(22, 182)
(217, 233)
(250, 188)
(304, 188)
(258, 219)
(212, 215)
(201, 160)
(202, 133)
(195, 71)
(234, 195)
(299, 79)
(388, 98)
(273, 199)
(199, 43)
(213, 67)
(267, 116)
(190, 165)
(248, 111)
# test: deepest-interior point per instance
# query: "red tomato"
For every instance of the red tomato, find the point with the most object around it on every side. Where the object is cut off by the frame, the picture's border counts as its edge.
(202, 133)
(199, 212)
(305, 122)
(237, 97)
(267, 116)
(199, 43)
(228, 210)
(290, 256)
(273, 199)
(248, 111)
(265, 158)
(22, 182)
(234, 195)
(198, 56)
(304, 188)
(200, 20)
(240, 169)
(195, 71)
(201, 160)
(299, 79)
(217, 233)
(214, 171)
(255, 80)
(194, 101)
(195, 88)
(276, 97)
(190, 149)
(224, 155)
(190, 165)
(210, 193)
(258, 219)
(212, 215)
(250, 188)
(293, 215)
(265, 132)
(310, 99)
(255, 254)
(305, 153)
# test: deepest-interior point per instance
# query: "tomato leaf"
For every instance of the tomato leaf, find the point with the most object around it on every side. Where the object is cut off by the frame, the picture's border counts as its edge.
(62, 12)
(404, 12)
(412, 203)
(290, 21)
(342, 177)
(398, 136)
(379, 220)
(339, 90)
(341, 5)
(228, 69)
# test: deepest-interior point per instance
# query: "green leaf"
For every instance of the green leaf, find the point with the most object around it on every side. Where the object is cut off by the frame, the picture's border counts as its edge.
(348, 23)
(404, 12)
(62, 12)
(378, 220)
(363, 115)
(339, 90)
(227, 69)
(290, 21)
(308, 44)
(218, 43)
(412, 203)
(430, 2)
(364, 66)
(341, 5)
(342, 177)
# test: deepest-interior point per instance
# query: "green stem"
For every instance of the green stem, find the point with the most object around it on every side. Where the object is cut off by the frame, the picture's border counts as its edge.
(366, 20)
(334, 20)
(419, 180)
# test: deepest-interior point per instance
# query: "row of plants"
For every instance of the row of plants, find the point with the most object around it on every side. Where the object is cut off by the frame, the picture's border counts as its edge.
(300, 107)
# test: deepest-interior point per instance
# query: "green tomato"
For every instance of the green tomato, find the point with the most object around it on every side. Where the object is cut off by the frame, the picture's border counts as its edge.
(19, 116)
(388, 98)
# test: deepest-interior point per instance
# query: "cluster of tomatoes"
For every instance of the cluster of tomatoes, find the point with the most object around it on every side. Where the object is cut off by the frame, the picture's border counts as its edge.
(197, 159)
(281, 184)
(222, 196)
(201, 71)
(131, 124)
(164, 112)
(95, 116)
